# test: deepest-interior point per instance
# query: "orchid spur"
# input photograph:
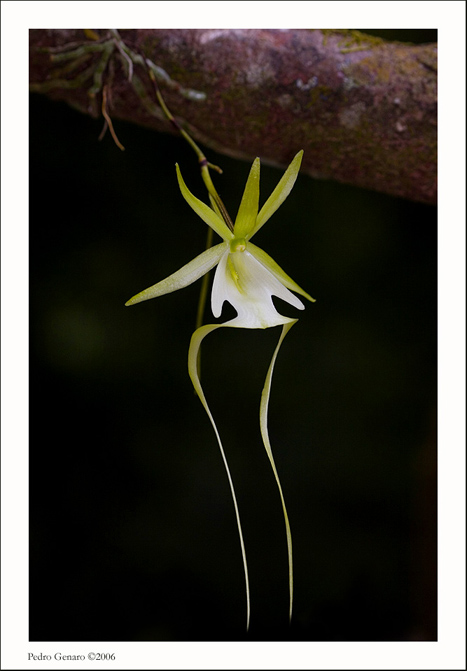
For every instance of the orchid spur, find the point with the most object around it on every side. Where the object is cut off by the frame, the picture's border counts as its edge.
(247, 278)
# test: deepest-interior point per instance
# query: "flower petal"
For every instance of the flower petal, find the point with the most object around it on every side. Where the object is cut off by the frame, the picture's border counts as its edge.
(279, 194)
(248, 210)
(273, 267)
(185, 276)
(193, 353)
(204, 211)
(248, 286)
(263, 421)
(219, 287)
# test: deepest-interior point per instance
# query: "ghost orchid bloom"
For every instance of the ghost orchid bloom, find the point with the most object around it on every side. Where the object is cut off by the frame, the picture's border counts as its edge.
(247, 278)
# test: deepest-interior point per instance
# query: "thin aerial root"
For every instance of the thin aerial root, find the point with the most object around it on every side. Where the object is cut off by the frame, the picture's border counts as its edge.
(109, 120)
(103, 131)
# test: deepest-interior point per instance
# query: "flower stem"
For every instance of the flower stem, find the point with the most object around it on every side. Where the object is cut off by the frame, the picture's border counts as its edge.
(202, 160)
(215, 199)
(204, 286)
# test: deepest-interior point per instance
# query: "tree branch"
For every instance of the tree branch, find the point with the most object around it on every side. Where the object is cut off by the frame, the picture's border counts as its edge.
(364, 110)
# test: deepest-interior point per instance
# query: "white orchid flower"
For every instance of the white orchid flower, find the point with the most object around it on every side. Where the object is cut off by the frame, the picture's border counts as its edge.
(247, 278)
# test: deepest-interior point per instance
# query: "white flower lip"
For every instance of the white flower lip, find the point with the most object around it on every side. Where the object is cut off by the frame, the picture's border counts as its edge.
(249, 286)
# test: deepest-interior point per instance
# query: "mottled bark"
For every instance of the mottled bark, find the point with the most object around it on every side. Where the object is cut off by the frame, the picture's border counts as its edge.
(364, 110)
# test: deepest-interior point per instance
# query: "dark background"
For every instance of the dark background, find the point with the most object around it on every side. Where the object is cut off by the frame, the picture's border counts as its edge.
(132, 528)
